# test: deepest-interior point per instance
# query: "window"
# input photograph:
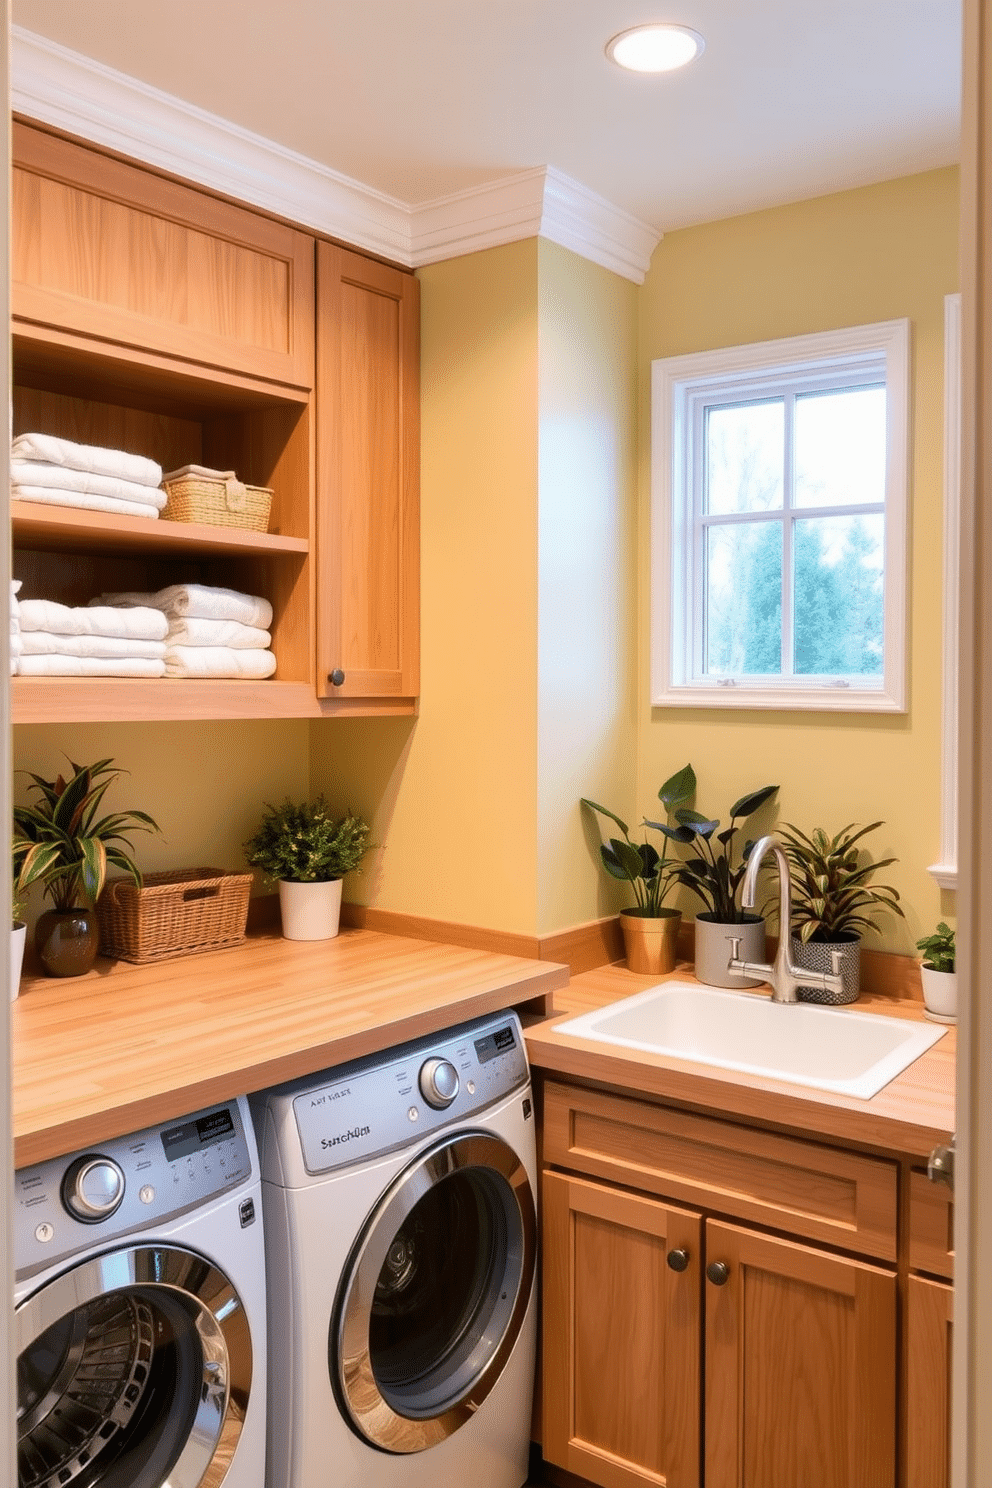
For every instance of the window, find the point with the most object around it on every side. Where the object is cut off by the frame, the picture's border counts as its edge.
(779, 523)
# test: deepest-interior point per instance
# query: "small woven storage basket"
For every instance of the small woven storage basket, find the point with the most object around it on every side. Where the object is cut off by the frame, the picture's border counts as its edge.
(173, 914)
(216, 497)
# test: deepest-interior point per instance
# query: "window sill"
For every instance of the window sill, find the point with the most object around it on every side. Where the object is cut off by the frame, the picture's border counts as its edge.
(799, 699)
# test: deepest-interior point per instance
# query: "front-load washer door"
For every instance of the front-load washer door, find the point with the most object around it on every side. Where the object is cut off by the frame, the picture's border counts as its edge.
(133, 1371)
(434, 1294)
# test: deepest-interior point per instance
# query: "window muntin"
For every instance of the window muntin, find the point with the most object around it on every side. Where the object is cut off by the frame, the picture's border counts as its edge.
(779, 523)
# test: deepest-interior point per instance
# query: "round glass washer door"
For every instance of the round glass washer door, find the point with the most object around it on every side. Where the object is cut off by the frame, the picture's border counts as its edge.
(434, 1294)
(133, 1371)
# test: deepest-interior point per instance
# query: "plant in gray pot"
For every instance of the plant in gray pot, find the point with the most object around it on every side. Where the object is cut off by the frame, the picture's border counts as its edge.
(715, 877)
(833, 901)
(650, 929)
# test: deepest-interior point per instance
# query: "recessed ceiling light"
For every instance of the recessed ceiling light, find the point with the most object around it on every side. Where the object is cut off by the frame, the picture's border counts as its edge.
(658, 48)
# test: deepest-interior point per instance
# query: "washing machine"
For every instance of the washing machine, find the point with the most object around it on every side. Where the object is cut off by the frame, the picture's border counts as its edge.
(139, 1314)
(399, 1201)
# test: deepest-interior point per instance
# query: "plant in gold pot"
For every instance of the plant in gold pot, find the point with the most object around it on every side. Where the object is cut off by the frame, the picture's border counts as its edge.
(307, 852)
(63, 843)
(650, 929)
(833, 902)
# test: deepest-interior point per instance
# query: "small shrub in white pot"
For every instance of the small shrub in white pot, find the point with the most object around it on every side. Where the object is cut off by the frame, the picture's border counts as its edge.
(307, 852)
(939, 974)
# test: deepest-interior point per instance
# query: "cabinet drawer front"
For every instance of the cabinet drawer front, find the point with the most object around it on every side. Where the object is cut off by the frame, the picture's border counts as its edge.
(931, 1226)
(109, 250)
(818, 1192)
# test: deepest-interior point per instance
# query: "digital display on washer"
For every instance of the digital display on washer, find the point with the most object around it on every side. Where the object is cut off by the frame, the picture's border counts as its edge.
(180, 1141)
(495, 1043)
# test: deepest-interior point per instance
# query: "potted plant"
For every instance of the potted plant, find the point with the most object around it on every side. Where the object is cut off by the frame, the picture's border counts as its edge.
(62, 844)
(940, 979)
(833, 901)
(715, 875)
(307, 853)
(650, 928)
(18, 934)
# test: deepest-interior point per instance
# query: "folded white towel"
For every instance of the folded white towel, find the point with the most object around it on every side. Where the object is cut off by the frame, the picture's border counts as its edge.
(218, 661)
(87, 457)
(85, 482)
(15, 606)
(201, 602)
(135, 624)
(16, 643)
(48, 643)
(193, 632)
(48, 496)
(90, 666)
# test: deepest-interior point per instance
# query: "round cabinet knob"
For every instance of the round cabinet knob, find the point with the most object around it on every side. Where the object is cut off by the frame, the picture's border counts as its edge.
(678, 1260)
(718, 1272)
(438, 1083)
(336, 677)
(93, 1188)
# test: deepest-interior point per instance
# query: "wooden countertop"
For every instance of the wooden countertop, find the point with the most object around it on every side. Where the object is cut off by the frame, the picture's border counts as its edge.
(126, 1046)
(909, 1116)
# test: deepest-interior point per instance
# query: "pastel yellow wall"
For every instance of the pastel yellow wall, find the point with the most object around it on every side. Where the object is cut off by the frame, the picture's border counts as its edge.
(874, 254)
(586, 536)
(453, 795)
(204, 783)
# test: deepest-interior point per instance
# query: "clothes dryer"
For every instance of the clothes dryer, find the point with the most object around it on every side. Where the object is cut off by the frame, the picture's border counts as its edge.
(140, 1310)
(399, 1200)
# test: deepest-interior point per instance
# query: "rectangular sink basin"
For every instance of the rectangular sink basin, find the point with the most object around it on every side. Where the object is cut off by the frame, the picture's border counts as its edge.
(849, 1052)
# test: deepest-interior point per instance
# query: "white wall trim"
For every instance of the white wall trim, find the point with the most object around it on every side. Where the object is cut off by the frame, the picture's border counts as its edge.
(68, 91)
(946, 870)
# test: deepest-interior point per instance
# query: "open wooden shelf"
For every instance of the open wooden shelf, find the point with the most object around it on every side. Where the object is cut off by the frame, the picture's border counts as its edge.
(155, 699)
(54, 529)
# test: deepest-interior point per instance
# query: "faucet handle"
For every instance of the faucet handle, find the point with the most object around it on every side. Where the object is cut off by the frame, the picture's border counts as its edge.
(735, 948)
(835, 960)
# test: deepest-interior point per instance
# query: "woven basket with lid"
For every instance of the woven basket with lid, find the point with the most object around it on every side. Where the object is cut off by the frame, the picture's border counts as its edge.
(216, 497)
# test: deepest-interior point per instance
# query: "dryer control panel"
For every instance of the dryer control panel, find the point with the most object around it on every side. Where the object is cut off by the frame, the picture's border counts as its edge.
(128, 1183)
(377, 1104)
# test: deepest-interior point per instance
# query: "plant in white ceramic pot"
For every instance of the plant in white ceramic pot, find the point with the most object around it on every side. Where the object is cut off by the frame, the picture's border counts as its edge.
(307, 852)
(18, 934)
(650, 928)
(716, 875)
(833, 902)
(939, 974)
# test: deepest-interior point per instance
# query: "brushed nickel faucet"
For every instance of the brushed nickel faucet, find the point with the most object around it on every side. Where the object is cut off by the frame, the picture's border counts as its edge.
(782, 976)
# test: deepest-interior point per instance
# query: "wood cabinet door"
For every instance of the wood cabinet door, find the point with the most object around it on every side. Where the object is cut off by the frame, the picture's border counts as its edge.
(929, 1308)
(800, 1381)
(368, 478)
(621, 1336)
(104, 249)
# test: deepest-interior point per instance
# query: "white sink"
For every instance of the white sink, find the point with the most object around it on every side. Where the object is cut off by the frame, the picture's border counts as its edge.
(849, 1052)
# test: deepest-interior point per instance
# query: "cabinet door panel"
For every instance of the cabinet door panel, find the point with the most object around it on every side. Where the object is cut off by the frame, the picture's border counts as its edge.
(800, 1367)
(109, 250)
(367, 477)
(930, 1307)
(621, 1337)
(931, 1226)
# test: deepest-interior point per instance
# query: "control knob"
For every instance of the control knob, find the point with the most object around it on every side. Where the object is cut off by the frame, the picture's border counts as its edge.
(93, 1188)
(438, 1083)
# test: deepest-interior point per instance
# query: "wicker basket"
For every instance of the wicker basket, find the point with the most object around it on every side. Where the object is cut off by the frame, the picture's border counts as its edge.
(173, 914)
(216, 497)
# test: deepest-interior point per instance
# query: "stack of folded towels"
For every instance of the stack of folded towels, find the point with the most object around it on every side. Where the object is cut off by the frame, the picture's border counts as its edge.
(60, 641)
(61, 473)
(210, 632)
(16, 644)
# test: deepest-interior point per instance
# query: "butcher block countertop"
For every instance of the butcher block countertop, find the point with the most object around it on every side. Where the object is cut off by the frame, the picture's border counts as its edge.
(909, 1116)
(127, 1046)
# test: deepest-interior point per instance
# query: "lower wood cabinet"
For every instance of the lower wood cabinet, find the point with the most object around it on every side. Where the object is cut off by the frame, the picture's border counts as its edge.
(680, 1349)
(929, 1309)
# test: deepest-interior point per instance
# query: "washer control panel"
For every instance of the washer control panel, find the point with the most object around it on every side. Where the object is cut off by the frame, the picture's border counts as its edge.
(389, 1100)
(128, 1183)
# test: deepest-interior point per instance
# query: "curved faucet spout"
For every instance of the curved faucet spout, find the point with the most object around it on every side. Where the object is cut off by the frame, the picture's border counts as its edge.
(783, 977)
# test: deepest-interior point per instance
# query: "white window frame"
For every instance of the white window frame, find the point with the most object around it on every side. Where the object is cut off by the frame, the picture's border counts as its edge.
(945, 870)
(740, 372)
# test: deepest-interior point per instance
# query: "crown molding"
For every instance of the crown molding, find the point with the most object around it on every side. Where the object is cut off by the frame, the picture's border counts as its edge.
(73, 93)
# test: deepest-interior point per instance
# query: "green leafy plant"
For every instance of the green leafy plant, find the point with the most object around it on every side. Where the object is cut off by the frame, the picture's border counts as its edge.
(833, 897)
(62, 843)
(938, 949)
(713, 875)
(649, 873)
(304, 844)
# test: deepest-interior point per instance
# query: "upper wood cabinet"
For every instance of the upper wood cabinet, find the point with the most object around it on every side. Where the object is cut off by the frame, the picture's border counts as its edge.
(105, 249)
(368, 470)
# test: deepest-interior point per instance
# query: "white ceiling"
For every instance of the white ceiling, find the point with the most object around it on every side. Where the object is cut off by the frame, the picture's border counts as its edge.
(419, 99)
